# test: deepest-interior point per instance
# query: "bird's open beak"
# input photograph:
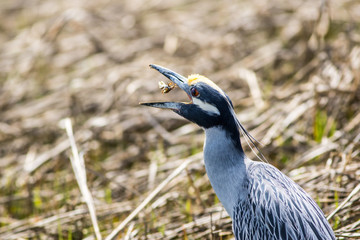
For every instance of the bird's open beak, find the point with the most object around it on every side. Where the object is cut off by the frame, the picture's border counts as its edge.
(176, 78)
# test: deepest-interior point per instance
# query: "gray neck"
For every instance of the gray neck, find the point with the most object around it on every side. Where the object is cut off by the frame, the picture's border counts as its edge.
(225, 167)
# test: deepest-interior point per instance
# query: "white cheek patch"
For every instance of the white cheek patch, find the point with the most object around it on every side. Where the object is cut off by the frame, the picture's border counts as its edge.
(206, 106)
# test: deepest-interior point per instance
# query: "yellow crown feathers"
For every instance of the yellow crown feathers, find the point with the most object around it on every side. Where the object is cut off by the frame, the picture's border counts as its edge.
(195, 78)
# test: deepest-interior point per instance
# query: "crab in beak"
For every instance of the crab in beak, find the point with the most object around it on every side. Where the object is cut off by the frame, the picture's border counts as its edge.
(176, 79)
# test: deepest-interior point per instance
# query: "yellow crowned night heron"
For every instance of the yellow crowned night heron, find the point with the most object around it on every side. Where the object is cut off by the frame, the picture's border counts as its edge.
(262, 202)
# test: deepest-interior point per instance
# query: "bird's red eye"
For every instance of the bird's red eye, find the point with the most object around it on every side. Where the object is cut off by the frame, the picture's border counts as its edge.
(194, 92)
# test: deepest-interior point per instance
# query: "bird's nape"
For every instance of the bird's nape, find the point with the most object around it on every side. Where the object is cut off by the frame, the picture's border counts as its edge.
(204, 111)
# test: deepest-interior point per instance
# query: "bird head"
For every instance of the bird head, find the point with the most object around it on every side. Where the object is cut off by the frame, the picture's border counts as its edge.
(209, 106)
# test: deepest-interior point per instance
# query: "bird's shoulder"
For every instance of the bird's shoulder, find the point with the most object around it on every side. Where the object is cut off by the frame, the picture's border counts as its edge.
(277, 208)
(265, 176)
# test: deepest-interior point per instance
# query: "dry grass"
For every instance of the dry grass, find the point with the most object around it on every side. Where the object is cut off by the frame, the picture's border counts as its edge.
(292, 69)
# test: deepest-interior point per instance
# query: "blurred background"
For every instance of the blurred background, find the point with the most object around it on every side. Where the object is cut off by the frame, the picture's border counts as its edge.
(291, 68)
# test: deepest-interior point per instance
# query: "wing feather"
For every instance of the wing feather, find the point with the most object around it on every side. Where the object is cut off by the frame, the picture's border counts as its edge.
(277, 208)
